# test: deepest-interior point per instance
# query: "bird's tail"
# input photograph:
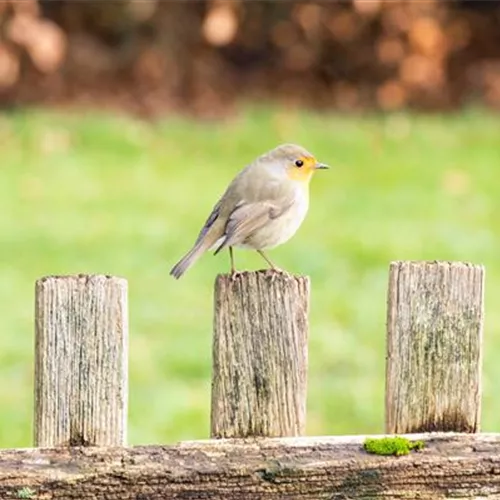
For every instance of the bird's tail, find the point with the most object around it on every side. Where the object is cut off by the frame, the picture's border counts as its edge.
(188, 260)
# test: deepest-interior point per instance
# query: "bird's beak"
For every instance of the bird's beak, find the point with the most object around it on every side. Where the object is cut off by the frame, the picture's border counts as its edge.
(321, 166)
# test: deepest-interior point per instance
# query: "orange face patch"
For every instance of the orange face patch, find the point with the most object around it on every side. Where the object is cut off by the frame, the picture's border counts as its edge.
(304, 172)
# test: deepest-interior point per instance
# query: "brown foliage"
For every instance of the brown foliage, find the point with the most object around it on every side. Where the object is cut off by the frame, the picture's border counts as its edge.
(26, 31)
(155, 55)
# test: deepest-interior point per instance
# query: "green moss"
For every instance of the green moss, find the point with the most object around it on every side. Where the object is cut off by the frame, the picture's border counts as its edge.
(26, 493)
(391, 445)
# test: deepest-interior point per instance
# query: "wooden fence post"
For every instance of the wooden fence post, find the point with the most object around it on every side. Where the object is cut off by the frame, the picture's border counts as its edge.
(81, 337)
(434, 347)
(259, 380)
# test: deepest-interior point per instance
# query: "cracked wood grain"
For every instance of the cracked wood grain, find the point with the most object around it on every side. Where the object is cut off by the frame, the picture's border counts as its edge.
(81, 335)
(465, 466)
(434, 347)
(259, 379)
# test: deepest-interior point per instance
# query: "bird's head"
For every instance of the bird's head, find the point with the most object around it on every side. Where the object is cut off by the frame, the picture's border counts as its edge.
(295, 162)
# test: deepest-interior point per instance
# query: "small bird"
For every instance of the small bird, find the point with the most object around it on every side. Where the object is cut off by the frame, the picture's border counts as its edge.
(262, 208)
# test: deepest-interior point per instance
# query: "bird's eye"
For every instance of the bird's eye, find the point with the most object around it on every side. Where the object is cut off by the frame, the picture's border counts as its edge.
(299, 163)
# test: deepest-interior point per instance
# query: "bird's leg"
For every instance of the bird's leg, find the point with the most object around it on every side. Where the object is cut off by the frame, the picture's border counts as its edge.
(273, 267)
(234, 273)
(231, 256)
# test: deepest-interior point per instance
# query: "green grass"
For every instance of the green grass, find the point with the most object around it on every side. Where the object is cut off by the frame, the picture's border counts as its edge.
(107, 194)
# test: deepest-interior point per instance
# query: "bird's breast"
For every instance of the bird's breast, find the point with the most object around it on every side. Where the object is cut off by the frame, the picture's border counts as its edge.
(281, 229)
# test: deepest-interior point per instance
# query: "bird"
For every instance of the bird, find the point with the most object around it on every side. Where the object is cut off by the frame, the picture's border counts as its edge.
(262, 207)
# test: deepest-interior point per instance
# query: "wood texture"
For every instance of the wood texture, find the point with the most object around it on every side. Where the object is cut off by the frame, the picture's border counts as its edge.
(259, 379)
(434, 344)
(81, 361)
(450, 466)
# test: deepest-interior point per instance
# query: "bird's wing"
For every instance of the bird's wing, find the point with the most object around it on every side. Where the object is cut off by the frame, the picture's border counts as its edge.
(248, 218)
(209, 222)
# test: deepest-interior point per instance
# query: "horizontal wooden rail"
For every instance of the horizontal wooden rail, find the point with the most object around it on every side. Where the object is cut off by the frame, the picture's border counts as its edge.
(335, 468)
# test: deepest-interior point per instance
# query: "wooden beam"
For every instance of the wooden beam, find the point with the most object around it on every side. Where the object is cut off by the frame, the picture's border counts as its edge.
(434, 347)
(81, 357)
(259, 377)
(336, 468)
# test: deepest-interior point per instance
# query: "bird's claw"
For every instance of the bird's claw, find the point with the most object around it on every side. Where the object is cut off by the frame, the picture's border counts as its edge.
(234, 275)
(274, 272)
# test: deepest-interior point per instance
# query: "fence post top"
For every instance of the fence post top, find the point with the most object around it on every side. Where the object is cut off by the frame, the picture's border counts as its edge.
(81, 277)
(439, 263)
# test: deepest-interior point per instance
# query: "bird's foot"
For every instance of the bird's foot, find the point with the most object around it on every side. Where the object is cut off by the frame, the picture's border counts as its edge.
(274, 272)
(234, 275)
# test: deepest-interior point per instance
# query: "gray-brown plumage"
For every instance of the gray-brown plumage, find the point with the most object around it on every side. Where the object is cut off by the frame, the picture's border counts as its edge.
(262, 208)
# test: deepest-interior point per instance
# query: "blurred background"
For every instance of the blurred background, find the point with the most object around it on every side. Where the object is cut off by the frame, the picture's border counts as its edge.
(122, 122)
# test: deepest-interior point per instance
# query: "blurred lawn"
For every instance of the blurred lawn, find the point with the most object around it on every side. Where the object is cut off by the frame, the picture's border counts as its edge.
(108, 194)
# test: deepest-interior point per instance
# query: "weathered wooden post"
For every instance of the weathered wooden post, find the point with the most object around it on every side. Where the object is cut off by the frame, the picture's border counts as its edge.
(434, 347)
(81, 336)
(259, 379)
